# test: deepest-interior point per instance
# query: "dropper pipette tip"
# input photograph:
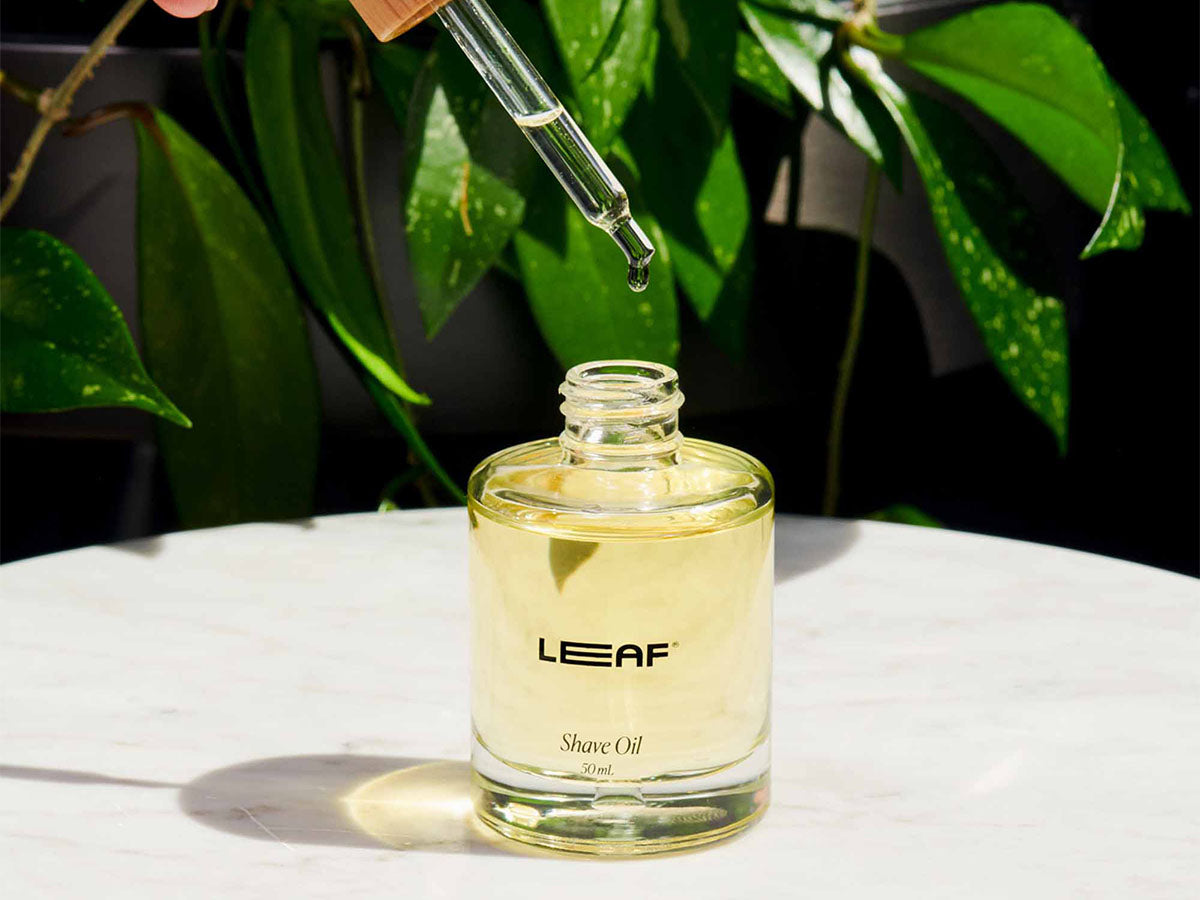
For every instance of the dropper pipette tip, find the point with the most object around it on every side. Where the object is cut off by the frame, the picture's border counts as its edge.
(637, 249)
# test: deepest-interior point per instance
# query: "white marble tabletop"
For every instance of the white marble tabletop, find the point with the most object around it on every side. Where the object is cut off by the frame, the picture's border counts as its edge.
(278, 710)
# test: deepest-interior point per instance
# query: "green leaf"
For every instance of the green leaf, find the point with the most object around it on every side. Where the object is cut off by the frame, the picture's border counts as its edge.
(574, 277)
(826, 11)
(1147, 180)
(1155, 182)
(696, 190)
(1031, 71)
(214, 65)
(395, 67)
(905, 514)
(799, 37)
(604, 45)
(1124, 223)
(757, 73)
(224, 332)
(703, 37)
(308, 186)
(64, 343)
(710, 253)
(463, 159)
(992, 248)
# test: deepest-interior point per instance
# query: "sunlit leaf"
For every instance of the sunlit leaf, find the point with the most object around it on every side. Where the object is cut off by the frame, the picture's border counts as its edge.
(308, 187)
(991, 247)
(63, 342)
(799, 36)
(1123, 224)
(461, 204)
(575, 280)
(1031, 71)
(224, 332)
(696, 189)
(1155, 182)
(604, 45)
(757, 73)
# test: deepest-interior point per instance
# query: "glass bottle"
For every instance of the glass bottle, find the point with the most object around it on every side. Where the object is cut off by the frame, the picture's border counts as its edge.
(621, 581)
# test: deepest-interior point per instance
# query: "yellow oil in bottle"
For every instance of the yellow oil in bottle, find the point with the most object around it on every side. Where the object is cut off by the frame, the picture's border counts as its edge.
(621, 582)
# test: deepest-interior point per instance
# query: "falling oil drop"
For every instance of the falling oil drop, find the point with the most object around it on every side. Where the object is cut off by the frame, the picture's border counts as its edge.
(637, 249)
(639, 276)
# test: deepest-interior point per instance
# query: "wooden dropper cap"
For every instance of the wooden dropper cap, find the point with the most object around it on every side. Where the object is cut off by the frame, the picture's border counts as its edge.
(391, 18)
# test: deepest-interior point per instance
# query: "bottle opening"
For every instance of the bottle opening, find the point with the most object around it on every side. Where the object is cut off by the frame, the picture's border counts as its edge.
(621, 385)
(621, 407)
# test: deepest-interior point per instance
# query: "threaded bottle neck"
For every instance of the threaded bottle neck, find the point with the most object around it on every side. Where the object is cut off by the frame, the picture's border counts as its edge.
(624, 411)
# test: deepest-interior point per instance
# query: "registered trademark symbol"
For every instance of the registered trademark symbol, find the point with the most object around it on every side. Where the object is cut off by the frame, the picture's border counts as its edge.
(674, 643)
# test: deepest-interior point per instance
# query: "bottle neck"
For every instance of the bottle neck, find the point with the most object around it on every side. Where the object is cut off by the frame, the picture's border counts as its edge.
(621, 413)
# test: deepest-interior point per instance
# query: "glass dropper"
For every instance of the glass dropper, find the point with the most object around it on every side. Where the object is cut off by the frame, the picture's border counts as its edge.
(526, 97)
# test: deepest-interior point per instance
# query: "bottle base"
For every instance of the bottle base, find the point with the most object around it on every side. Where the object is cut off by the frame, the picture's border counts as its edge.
(618, 818)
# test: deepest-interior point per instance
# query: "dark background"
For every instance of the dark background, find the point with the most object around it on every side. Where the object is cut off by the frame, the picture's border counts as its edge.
(957, 444)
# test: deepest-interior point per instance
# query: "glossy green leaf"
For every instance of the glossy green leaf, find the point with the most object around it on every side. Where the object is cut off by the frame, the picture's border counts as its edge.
(991, 246)
(696, 190)
(604, 45)
(308, 186)
(1146, 162)
(1123, 224)
(826, 11)
(703, 38)
(756, 72)
(574, 277)
(224, 332)
(1031, 71)
(63, 342)
(1147, 180)
(799, 37)
(718, 269)
(463, 160)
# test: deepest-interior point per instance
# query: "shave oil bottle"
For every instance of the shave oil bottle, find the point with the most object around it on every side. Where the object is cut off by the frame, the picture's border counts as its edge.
(621, 580)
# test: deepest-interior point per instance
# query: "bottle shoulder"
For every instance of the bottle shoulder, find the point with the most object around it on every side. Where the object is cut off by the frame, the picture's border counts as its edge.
(709, 487)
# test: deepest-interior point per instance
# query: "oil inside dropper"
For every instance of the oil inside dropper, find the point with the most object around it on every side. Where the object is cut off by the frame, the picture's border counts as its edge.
(590, 183)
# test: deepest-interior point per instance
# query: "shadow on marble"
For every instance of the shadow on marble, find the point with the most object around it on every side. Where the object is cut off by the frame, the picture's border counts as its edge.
(804, 544)
(67, 776)
(345, 801)
(150, 547)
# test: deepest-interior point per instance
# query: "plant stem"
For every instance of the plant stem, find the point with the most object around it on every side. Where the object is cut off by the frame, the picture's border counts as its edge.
(358, 88)
(59, 105)
(36, 97)
(112, 112)
(862, 267)
(795, 161)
